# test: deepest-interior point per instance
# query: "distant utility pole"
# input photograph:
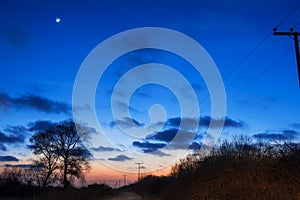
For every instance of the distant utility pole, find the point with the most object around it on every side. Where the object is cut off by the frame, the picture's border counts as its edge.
(295, 34)
(124, 180)
(139, 169)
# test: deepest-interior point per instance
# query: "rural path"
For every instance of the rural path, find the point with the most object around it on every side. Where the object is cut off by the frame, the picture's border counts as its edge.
(126, 196)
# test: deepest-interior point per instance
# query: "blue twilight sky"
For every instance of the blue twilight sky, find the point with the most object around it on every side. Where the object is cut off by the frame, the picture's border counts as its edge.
(40, 59)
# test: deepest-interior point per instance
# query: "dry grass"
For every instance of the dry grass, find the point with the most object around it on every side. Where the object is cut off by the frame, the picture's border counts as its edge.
(262, 173)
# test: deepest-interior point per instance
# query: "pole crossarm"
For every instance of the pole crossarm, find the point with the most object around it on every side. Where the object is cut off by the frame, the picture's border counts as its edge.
(295, 34)
(286, 33)
(139, 169)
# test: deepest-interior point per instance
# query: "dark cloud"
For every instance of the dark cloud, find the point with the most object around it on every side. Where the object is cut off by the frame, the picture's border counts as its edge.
(102, 149)
(283, 135)
(148, 147)
(13, 138)
(33, 102)
(270, 136)
(168, 136)
(120, 158)
(228, 122)
(161, 139)
(164, 136)
(186, 123)
(124, 106)
(125, 122)
(40, 125)
(195, 146)
(8, 159)
(154, 148)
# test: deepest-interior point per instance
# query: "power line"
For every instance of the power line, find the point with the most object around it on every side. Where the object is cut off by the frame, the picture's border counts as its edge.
(296, 24)
(287, 16)
(249, 67)
(247, 56)
(263, 72)
(257, 77)
(253, 64)
(240, 63)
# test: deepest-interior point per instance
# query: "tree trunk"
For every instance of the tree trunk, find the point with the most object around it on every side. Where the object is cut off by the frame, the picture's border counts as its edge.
(46, 180)
(65, 181)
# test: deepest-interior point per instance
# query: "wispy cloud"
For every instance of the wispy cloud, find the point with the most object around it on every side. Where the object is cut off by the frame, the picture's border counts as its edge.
(33, 102)
(269, 99)
(17, 37)
(123, 106)
(2, 147)
(228, 122)
(16, 130)
(205, 122)
(157, 153)
(120, 158)
(125, 122)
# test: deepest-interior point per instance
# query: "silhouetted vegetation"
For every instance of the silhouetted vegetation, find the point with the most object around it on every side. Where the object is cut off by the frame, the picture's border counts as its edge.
(239, 169)
(18, 190)
(233, 170)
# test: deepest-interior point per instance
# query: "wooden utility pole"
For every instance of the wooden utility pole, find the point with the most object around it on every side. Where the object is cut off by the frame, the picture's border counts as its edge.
(295, 34)
(139, 169)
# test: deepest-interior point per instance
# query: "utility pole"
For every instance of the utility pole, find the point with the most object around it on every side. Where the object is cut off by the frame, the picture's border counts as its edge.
(124, 180)
(295, 34)
(139, 169)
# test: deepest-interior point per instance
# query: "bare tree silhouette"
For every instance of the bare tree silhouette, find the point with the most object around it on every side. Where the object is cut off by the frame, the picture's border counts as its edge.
(61, 148)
